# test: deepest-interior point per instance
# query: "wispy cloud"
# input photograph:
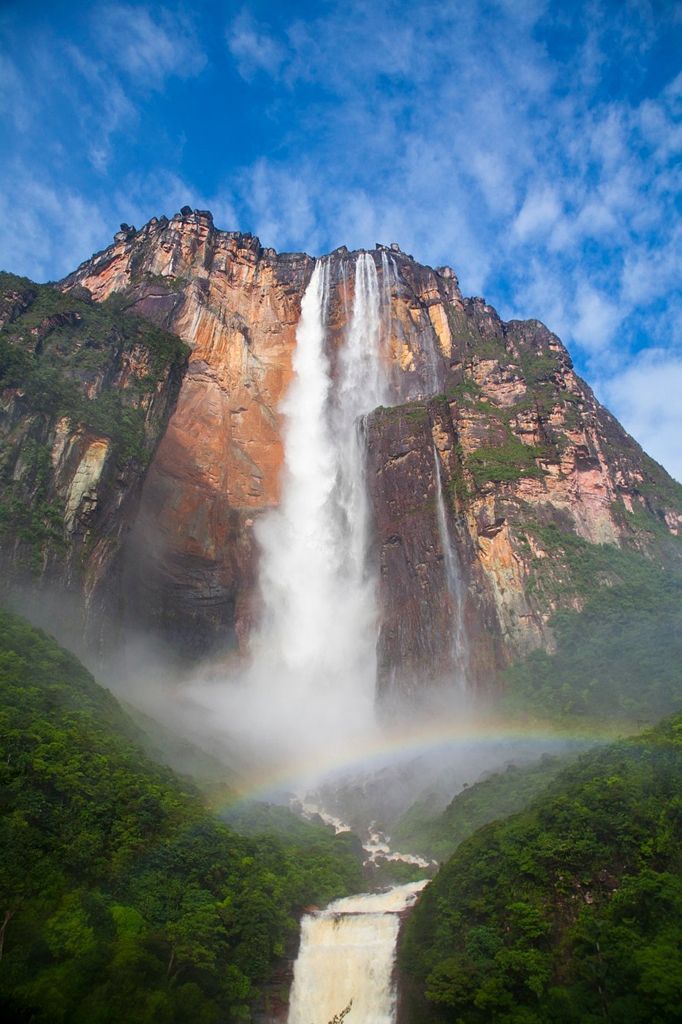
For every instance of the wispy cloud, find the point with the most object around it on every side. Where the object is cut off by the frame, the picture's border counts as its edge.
(13, 94)
(148, 46)
(597, 318)
(532, 145)
(544, 171)
(253, 48)
(646, 398)
(100, 103)
(79, 226)
(91, 91)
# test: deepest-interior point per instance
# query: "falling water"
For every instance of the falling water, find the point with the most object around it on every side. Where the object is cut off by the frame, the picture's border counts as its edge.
(453, 579)
(313, 657)
(347, 953)
(361, 388)
(300, 540)
(389, 277)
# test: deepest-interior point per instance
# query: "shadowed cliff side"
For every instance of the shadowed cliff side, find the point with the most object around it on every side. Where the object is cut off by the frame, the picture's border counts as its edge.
(86, 391)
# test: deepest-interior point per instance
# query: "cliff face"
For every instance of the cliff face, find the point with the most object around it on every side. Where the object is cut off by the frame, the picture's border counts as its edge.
(190, 565)
(527, 456)
(532, 466)
(85, 395)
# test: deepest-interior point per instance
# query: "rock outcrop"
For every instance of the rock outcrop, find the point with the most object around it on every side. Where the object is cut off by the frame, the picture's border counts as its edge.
(526, 453)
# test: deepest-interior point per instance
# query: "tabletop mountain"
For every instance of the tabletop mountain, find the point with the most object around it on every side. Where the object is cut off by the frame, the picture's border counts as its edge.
(135, 464)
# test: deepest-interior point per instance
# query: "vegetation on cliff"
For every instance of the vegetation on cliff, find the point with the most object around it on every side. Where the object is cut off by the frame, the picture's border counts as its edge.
(567, 912)
(121, 897)
(64, 357)
(620, 655)
(421, 831)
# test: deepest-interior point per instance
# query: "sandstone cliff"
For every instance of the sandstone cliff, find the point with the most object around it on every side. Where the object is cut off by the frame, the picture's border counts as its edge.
(85, 394)
(529, 462)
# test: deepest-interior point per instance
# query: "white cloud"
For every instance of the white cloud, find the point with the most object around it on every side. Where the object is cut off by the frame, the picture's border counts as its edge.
(14, 98)
(652, 272)
(538, 215)
(545, 174)
(539, 289)
(55, 229)
(253, 48)
(148, 44)
(50, 231)
(597, 318)
(103, 108)
(645, 396)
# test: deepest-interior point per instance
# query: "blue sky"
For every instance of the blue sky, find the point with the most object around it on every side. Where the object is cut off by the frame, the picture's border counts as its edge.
(532, 145)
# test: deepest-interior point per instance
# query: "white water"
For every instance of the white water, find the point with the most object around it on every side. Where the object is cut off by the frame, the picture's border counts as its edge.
(347, 953)
(376, 842)
(361, 387)
(310, 685)
(316, 642)
(453, 579)
(299, 541)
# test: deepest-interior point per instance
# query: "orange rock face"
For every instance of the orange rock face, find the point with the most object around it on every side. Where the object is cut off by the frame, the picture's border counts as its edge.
(192, 558)
(219, 462)
(520, 437)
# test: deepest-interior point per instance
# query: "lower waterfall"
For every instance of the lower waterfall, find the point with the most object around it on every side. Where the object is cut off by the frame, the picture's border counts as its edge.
(348, 954)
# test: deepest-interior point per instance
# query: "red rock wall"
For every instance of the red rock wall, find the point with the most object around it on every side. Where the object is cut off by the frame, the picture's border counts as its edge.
(192, 560)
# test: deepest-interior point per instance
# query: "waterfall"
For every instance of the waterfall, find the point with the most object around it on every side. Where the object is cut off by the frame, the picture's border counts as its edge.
(389, 277)
(299, 540)
(348, 953)
(361, 388)
(453, 580)
(313, 664)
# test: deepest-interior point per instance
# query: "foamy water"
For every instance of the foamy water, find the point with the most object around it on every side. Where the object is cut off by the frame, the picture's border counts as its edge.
(347, 954)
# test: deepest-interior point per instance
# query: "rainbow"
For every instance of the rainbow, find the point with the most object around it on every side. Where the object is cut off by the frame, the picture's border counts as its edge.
(379, 747)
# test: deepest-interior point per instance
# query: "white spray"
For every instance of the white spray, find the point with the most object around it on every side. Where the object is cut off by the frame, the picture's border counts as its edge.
(361, 388)
(299, 540)
(453, 579)
(311, 681)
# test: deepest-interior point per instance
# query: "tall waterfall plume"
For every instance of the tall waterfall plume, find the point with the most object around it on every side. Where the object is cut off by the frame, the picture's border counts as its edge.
(361, 388)
(313, 657)
(319, 614)
(300, 540)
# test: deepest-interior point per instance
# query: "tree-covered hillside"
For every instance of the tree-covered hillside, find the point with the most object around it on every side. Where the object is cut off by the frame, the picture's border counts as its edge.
(567, 913)
(438, 835)
(620, 655)
(122, 898)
